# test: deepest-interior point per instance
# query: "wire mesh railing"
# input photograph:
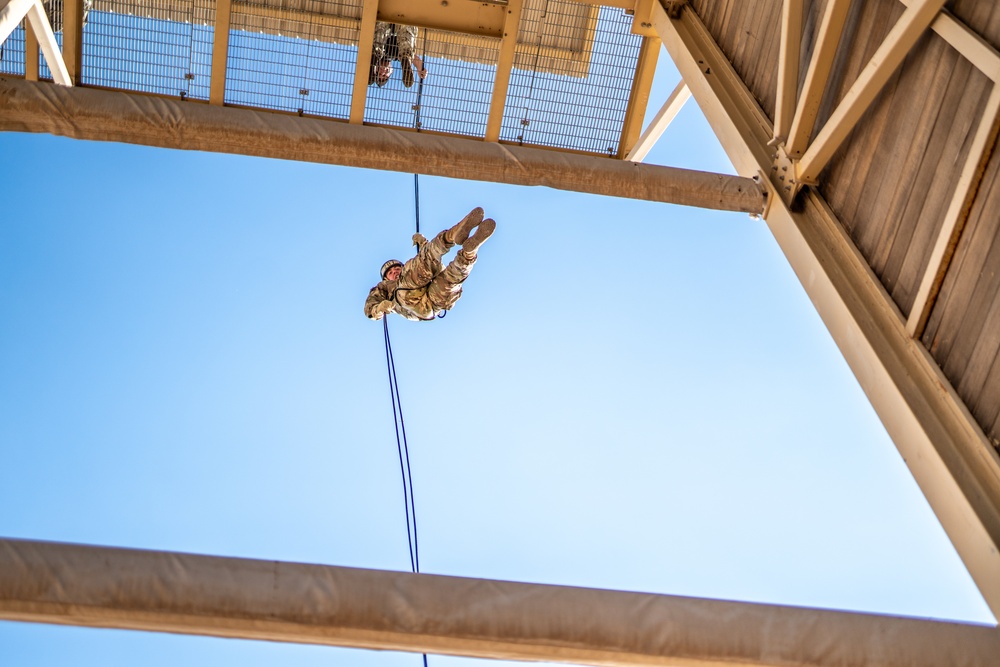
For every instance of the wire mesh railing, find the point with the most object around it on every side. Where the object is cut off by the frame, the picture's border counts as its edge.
(573, 71)
(150, 46)
(12, 53)
(571, 88)
(294, 55)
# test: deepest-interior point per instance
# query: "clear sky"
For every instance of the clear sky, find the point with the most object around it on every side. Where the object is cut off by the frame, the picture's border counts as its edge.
(630, 395)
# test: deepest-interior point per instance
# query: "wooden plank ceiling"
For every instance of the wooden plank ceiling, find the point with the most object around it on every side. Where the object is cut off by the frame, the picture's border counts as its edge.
(892, 181)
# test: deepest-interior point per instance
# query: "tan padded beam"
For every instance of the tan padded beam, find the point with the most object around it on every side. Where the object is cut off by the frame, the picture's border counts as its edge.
(101, 115)
(45, 582)
(505, 62)
(369, 16)
(220, 51)
(943, 446)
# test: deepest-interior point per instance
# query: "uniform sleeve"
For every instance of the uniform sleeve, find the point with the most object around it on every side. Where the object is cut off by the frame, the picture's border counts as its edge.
(377, 295)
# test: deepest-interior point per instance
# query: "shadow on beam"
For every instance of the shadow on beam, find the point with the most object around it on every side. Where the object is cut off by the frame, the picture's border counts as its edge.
(254, 599)
(100, 115)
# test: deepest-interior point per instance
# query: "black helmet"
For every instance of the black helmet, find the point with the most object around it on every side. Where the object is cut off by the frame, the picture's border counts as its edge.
(388, 265)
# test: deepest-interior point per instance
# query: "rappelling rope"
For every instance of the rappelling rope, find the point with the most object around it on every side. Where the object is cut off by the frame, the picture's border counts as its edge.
(397, 407)
(404, 456)
(416, 126)
(404, 452)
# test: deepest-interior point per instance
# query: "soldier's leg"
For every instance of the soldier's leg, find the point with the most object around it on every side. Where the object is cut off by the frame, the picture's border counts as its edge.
(460, 232)
(446, 288)
(406, 38)
(419, 271)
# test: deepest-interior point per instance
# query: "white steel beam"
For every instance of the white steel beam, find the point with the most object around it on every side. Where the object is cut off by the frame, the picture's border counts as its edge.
(830, 28)
(957, 214)
(966, 41)
(943, 446)
(47, 41)
(788, 67)
(291, 602)
(12, 12)
(660, 123)
(889, 56)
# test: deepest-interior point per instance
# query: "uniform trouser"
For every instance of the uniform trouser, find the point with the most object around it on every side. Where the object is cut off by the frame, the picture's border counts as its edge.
(443, 283)
(406, 40)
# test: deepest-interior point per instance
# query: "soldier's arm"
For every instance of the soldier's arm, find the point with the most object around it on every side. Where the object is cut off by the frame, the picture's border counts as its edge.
(377, 295)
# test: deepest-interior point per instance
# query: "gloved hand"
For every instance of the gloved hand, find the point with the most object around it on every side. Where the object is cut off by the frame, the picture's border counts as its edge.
(383, 308)
(419, 239)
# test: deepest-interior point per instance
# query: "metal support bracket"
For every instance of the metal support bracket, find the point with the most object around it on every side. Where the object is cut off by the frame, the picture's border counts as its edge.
(783, 176)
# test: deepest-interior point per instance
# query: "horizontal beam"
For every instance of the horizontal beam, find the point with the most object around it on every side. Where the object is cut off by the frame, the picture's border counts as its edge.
(100, 115)
(945, 449)
(65, 584)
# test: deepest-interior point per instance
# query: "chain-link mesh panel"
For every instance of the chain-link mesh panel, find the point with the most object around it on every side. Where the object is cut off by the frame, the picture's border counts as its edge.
(12, 56)
(294, 55)
(151, 46)
(455, 96)
(572, 77)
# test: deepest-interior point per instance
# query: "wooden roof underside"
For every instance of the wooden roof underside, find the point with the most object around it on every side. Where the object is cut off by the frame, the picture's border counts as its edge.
(892, 180)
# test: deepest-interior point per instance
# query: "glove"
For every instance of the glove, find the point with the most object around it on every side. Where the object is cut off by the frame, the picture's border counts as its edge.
(383, 308)
(419, 239)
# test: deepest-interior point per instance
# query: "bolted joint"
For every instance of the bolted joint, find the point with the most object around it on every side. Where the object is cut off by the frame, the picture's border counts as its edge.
(782, 175)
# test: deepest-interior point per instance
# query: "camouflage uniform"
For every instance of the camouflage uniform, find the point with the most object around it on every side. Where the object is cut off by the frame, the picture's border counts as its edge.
(425, 286)
(384, 47)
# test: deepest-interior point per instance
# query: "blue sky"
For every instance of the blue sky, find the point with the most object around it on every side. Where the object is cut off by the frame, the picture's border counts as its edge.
(630, 395)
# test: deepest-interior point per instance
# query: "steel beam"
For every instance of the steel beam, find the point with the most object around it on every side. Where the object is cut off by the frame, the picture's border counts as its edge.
(945, 449)
(291, 602)
(966, 41)
(220, 51)
(830, 28)
(958, 212)
(31, 59)
(789, 52)
(638, 99)
(102, 115)
(505, 62)
(72, 50)
(661, 121)
(886, 59)
(369, 16)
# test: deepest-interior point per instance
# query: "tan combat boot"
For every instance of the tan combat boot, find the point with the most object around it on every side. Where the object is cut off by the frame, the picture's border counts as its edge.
(483, 232)
(460, 232)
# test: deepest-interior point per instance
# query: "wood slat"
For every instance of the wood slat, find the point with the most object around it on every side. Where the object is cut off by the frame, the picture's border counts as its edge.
(942, 79)
(908, 269)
